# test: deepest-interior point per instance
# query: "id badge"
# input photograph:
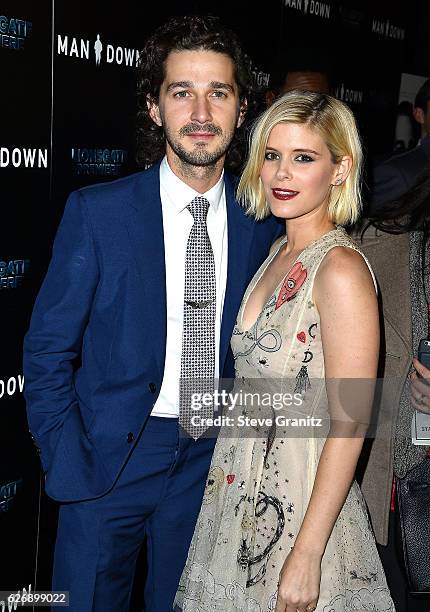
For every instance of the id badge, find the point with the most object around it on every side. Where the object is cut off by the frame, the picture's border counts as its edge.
(421, 429)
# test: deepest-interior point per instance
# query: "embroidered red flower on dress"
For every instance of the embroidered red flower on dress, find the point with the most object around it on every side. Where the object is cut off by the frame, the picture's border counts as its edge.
(292, 283)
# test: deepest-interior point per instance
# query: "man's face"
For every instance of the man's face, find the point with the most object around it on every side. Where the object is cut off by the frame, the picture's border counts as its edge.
(198, 107)
(426, 121)
(423, 118)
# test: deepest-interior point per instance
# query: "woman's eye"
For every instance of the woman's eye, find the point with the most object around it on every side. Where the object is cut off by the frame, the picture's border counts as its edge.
(270, 156)
(304, 158)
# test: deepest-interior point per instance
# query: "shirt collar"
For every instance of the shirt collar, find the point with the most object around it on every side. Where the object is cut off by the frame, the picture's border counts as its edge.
(180, 194)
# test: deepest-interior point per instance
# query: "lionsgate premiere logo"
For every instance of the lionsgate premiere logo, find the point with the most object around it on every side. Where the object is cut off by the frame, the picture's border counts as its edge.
(100, 51)
(93, 161)
(349, 95)
(13, 272)
(352, 17)
(14, 32)
(386, 29)
(23, 157)
(259, 78)
(8, 493)
(310, 7)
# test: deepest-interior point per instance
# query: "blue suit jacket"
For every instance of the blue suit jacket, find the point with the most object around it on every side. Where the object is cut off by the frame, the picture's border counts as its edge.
(94, 353)
(396, 175)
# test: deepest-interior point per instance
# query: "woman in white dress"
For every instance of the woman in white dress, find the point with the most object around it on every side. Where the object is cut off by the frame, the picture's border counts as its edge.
(283, 525)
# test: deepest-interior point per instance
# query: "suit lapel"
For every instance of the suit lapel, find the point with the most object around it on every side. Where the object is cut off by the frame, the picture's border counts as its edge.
(145, 229)
(240, 229)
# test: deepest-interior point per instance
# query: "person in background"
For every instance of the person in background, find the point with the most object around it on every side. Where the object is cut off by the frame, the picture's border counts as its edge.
(283, 525)
(422, 109)
(142, 291)
(404, 130)
(305, 68)
(396, 243)
(395, 176)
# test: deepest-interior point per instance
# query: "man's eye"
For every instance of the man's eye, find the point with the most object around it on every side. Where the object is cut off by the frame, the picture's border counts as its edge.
(304, 158)
(219, 94)
(270, 156)
(181, 94)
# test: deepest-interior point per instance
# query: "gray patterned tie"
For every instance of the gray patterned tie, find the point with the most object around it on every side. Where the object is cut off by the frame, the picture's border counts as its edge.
(198, 337)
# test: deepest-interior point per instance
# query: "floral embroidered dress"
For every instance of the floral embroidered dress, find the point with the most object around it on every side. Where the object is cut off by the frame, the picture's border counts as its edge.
(261, 476)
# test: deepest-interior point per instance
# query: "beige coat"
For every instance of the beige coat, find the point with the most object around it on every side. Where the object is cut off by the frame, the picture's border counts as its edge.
(388, 255)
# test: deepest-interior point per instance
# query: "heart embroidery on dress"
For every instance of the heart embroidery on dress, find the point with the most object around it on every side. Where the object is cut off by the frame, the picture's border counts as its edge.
(301, 337)
(230, 478)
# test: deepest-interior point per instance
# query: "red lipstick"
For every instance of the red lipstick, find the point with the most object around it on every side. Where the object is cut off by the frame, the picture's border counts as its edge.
(284, 194)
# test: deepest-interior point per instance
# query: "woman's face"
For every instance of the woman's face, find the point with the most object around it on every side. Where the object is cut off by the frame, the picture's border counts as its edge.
(298, 171)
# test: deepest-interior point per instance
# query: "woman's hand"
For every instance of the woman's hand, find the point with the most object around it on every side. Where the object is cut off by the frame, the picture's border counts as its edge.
(299, 582)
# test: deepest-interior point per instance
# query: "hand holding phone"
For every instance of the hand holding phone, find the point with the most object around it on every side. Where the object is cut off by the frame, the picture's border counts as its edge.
(421, 421)
(424, 356)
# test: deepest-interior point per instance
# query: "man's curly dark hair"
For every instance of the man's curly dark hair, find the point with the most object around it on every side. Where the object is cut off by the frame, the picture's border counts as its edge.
(186, 34)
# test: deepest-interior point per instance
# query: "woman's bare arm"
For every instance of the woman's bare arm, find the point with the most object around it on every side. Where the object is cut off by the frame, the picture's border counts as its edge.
(345, 296)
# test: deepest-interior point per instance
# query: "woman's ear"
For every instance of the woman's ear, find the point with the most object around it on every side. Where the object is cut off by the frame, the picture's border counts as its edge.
(343, 168)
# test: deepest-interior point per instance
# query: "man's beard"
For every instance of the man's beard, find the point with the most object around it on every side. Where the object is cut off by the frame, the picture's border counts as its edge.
(199, 156)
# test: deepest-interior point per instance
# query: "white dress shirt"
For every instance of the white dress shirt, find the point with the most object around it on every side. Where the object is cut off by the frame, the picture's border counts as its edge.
(177, 222)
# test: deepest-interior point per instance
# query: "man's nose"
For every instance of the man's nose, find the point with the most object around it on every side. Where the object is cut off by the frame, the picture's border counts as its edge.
(201, 110)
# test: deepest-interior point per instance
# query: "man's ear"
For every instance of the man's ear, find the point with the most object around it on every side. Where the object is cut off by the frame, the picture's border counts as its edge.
(154, 110)
(242, 112)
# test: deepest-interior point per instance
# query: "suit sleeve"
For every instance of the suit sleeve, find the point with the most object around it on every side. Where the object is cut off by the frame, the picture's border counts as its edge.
(57, 326)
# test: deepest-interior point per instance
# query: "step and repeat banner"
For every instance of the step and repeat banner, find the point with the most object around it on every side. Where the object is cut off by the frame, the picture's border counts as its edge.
(68, 108)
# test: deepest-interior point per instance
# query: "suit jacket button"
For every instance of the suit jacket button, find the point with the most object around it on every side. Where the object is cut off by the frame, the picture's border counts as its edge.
(152, 387)
(130, 437)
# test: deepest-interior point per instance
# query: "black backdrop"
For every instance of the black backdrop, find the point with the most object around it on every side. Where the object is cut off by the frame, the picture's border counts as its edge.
(67, 121)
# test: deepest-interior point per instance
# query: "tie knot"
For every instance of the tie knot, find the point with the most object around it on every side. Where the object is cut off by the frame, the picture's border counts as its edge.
(199, 209)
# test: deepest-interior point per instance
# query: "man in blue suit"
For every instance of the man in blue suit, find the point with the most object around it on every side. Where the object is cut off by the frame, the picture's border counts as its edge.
(393, 177)
(105, 349)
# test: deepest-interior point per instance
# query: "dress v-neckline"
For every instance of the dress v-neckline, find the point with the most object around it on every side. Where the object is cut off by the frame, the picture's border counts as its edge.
(248, 294)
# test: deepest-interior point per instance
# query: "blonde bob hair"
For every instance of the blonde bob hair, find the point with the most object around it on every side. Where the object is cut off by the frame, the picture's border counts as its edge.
(337, 127)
